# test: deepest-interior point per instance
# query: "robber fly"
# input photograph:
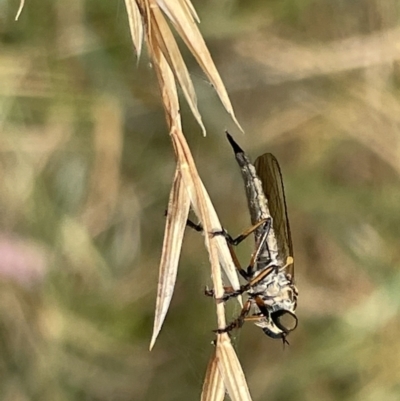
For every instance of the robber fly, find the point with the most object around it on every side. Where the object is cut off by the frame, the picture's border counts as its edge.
(270, 274)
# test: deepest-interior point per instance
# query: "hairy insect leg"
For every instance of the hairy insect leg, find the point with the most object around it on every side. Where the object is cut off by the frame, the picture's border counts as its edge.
(233, 242)
(199, 228)
(210, 293)
(261, 305)
(236, 262)
(268, 270)
(261, 245)
(229, 292)
(236, 241)
(238, 322)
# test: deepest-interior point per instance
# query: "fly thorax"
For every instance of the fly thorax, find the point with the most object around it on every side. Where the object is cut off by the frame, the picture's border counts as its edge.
(276, 290)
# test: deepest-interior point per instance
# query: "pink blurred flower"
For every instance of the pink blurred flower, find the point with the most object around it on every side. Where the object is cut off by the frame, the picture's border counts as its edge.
(22, 260)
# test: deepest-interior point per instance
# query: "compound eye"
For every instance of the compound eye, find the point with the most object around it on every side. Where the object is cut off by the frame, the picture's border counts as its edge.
(284, 320)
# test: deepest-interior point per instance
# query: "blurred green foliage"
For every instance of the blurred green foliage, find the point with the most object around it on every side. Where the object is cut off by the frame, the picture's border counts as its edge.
(86, 167)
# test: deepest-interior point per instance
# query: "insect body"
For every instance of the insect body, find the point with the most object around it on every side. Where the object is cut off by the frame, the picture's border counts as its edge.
(270, 274)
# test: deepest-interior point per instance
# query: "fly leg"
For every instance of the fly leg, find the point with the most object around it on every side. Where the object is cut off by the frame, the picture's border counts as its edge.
(261, 305)
(233, 241)
(196, 227)
(263, 243)
(242, 272)
(236, 241)
(229, 292)
(238, 322)
(236, 262)
(268, 270)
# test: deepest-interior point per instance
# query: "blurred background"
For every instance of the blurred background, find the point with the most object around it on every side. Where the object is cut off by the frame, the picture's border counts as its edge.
(86, 167)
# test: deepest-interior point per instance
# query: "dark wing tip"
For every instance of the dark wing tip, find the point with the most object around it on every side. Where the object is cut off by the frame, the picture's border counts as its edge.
(235, 146)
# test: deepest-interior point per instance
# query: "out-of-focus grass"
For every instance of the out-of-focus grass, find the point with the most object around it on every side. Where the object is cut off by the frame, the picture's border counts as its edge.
(86, 166)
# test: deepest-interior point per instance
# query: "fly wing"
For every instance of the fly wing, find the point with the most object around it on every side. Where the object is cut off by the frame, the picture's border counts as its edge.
(269, 172)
